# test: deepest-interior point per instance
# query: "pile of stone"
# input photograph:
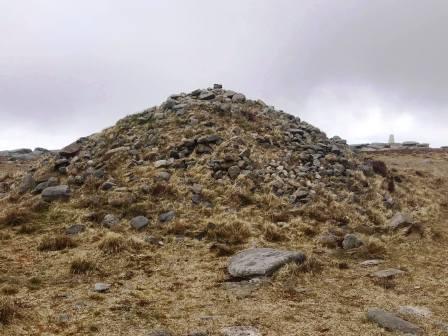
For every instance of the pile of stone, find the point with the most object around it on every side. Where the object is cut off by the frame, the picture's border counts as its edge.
(380, 146)
(23, 154)
(195, 143)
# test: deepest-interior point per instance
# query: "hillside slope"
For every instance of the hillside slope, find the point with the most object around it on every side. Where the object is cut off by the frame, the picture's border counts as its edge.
(130, 230)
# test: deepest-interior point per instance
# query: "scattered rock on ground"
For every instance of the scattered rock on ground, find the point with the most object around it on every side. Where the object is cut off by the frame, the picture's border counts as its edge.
(400, 220)
(415, 311)
(110, 221)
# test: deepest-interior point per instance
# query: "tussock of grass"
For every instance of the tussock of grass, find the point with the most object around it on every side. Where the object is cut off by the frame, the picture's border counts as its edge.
(56, 243)
(273, 233)
(112, 243)
(82, 265)
(232, 232)
(9, 290)
(8, 309)
(15, 216)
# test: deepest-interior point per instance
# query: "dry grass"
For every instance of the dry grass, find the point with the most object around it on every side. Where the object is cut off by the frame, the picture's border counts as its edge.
(56, 243)
(15, 216)
(233, 232)
(112, 243)
(8, 310)
(9, 290)
(273, 233)
(82, 265)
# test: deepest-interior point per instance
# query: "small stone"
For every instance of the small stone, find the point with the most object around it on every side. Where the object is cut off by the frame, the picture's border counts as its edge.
(27, 184)
(196, 188)
(351, 241)
(400, 220)
(392, 322)
(234, 171)
(238, 98)
(139, 222)
(162, 176)
(203, 149)
(110, 221)
(61, 192)
(101, 287)
(107, 185)
(372, 262)
(206, 95)
(329, 240)
(389, 273)
(217, 86)
(208, 139)
(75, 229)
(161, 163)
(114, 151)
(167, 216)
(240, 331)
(261, 261)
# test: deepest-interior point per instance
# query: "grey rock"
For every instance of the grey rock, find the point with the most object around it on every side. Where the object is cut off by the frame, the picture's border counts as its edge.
(114, 151)
(203, 149)
(139, 222)
(75, 229)
(101, 287)
(110, 221)
(107, 185)
(167, 216)
(60, 192)
(26, 184)
(351, 241)
(240, 331)
(217, 86)
(329, 240)
(238, 98)
(161, 163)
(208, 139)
(162, 176)
(51, 182)
(206, 95)
(389, 273)
(261, 261)
(400, 220)
(372, 262)
(234, 171)
(70, 150)
(391, 322)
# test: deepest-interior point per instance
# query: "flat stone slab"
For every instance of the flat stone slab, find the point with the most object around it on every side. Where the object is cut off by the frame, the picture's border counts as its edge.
(372, 262)
(392, 322)
(261, 261)
(387, 273)
(60, 192)
(240, 331)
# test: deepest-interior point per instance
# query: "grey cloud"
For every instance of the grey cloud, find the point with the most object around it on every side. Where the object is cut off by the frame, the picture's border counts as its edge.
(71, 68)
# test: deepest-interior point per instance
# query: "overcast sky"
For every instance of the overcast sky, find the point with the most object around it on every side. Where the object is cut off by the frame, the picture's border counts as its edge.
(360, 69)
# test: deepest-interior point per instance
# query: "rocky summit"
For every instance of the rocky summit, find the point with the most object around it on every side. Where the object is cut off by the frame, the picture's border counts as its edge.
(217, 214)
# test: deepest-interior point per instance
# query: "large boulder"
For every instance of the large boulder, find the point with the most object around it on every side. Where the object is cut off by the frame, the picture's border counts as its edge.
(392, 322)
(261, 262)
(60, 192)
